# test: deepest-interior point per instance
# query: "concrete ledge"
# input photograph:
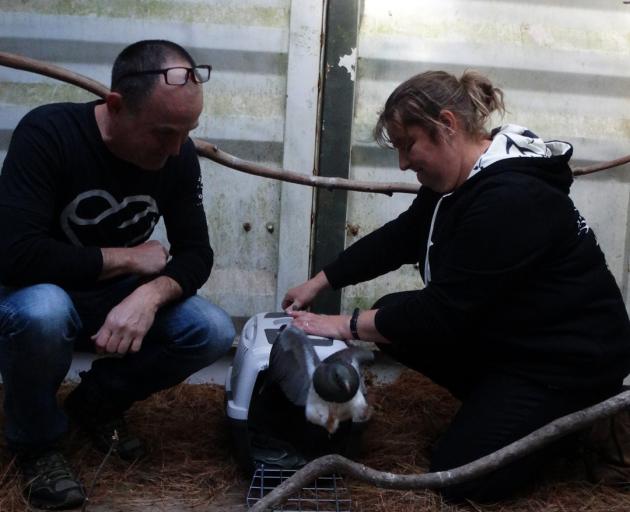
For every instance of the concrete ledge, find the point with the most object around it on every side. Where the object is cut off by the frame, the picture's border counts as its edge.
(384, 369)
(213, 374)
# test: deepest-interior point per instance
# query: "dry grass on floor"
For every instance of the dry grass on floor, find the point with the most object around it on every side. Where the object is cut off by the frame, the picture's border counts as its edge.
(409, 416)
(191, 463)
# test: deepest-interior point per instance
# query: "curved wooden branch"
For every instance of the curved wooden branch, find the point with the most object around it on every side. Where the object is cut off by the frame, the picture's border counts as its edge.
(215, 154)
(207, 149)
(337, 464)
(581, 171)
(11, 60)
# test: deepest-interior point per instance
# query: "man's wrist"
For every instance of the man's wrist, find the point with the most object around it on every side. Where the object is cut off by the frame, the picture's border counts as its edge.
(159, 291)
(116, 261)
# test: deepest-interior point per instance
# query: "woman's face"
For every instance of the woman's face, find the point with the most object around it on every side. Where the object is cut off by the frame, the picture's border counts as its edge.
(437, 164)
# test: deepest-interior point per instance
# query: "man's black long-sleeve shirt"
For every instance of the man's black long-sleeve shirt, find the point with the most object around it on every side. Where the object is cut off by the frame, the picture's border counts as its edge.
(64, 195)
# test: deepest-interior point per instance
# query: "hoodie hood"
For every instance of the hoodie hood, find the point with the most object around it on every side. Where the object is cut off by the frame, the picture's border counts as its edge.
(527, 153)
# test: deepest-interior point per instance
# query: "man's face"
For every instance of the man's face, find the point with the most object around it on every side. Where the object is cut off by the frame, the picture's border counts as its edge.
(157, 130)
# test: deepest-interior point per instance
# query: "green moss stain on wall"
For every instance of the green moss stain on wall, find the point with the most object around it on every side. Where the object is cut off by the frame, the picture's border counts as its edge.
(219, 12)
(519, 34)
(32, 95)
(265, 103)
(573, 124)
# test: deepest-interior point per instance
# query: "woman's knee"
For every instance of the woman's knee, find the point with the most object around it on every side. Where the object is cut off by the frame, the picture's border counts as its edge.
(498, 485)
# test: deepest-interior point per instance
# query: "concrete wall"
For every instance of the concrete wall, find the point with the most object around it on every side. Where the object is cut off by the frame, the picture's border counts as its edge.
(563, 65)
(260, 104)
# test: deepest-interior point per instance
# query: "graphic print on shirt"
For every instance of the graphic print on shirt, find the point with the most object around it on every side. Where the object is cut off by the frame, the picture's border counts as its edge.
(199, 187)
(582, 226)
(95, 216)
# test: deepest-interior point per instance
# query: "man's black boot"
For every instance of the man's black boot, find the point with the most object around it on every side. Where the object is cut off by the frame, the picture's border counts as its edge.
(48, 481)
(88, 406)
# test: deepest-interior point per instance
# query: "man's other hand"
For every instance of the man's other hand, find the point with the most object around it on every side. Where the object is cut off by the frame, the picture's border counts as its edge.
(126, 325)
(145, 259)
(148, 258)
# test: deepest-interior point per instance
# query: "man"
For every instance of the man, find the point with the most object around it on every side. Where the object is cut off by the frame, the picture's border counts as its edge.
(81, 190)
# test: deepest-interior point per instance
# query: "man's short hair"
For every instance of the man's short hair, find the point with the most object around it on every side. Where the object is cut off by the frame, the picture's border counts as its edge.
(143, 56)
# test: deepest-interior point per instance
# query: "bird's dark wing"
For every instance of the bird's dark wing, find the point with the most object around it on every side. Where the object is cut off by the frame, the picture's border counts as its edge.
(291, 364)
(353, 355)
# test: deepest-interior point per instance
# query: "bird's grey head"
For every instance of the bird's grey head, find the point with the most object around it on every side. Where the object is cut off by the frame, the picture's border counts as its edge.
(336, 381)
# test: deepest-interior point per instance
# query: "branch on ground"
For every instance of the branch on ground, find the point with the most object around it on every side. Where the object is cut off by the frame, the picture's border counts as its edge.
(553, 431)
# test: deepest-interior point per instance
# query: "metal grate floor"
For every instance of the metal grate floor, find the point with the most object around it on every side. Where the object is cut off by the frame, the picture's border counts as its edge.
(326, 494)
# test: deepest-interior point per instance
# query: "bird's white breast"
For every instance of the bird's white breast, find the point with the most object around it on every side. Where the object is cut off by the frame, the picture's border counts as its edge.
(330, 414)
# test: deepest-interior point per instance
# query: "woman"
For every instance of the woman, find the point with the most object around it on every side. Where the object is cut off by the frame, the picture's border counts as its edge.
(520, 317)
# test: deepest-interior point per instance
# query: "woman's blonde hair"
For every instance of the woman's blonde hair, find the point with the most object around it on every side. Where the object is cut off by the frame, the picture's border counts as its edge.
(421, 99)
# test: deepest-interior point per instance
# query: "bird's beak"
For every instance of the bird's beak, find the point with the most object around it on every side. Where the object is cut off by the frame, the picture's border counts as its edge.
(331, 424)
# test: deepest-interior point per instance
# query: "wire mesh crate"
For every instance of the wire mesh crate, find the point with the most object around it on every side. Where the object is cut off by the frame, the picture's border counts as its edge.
(326, 494)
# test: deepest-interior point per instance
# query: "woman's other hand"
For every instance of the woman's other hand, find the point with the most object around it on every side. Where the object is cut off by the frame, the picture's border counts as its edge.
(301, 296)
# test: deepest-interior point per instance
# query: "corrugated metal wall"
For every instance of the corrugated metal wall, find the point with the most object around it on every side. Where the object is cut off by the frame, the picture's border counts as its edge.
(564, 67)
(247, 43)
(562, 63)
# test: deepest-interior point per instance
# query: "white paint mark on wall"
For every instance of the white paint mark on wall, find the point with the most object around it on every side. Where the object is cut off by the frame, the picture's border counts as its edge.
(350, 63)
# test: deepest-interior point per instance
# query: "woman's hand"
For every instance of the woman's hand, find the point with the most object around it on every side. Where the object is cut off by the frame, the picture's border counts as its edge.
(301, 296)
(338, 326)
(329, 326)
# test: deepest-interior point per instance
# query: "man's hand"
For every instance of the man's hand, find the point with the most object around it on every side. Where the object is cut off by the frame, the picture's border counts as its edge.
(145, 259)
(148, 258)
(127, 324)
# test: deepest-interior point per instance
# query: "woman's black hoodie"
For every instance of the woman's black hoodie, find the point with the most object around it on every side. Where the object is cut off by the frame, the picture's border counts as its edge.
(517, 279)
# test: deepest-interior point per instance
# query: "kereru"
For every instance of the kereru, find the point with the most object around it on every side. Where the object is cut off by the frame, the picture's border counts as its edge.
(330, 390)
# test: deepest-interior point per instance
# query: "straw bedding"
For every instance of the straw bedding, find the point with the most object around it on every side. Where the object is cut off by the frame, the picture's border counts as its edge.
(191, 463)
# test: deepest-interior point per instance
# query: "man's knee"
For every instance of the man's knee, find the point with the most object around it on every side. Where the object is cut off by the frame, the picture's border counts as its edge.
(42, 314)
(208, 329)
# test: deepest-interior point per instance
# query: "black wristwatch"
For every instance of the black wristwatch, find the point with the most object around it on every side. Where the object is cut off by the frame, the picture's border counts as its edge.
(353, 324)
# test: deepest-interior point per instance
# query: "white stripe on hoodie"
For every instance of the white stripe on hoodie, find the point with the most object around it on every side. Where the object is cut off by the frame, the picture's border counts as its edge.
(508, 141)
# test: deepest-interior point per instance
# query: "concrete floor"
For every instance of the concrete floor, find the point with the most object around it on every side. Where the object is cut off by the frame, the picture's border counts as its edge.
(214, 374)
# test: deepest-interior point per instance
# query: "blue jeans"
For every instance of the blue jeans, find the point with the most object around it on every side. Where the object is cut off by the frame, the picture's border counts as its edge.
(41, 326)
